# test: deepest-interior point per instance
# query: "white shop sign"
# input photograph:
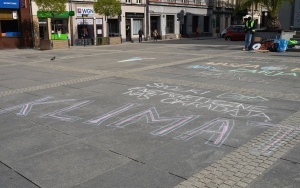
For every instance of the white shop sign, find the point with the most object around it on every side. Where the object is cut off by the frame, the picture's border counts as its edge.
(86, 21)
(99, 21)
(89, 11)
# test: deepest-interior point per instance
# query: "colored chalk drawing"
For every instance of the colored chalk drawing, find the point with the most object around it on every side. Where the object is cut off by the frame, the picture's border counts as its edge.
(234, 109)
(135, 59)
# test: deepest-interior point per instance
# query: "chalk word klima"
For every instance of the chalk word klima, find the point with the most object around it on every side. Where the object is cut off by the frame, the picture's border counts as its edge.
(219, 128)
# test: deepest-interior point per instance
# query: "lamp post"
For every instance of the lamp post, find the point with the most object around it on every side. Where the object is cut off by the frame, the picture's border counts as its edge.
(148, 32)
(71, 24)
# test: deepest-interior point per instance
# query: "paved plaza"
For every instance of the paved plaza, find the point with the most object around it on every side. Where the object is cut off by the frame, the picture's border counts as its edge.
(174, 113)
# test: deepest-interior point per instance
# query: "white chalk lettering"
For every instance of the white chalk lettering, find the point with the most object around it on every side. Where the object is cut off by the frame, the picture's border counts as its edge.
(58, 114)
(99, 120)
(153, 117)
(220, 129)
(25, 108)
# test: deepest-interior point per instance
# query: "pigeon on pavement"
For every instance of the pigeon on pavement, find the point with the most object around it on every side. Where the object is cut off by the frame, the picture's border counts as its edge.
(52, 58)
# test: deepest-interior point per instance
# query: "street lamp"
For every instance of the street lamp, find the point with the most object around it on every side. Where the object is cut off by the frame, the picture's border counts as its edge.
(83, 16)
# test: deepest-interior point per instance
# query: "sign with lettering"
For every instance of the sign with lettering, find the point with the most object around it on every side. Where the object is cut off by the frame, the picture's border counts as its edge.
(15, 15)
(87, 11)
(15, 4)
(134, 15)
(84, 21)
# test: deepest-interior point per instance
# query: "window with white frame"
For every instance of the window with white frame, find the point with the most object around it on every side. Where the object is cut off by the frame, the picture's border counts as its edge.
(137, 25)
(128, 1)
(138, 1)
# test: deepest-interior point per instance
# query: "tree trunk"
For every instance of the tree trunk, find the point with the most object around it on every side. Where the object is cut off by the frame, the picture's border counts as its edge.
(273, 23)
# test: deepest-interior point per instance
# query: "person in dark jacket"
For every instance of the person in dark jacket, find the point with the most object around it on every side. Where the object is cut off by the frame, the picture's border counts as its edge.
(140, 35)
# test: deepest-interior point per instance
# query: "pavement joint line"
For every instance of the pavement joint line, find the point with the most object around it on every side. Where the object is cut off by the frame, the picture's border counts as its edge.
(259, 162)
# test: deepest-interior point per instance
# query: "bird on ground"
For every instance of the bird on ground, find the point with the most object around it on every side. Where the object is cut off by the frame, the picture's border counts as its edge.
(52, 58)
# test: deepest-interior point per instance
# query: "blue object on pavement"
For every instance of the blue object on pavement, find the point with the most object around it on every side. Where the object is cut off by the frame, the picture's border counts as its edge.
(282, 44)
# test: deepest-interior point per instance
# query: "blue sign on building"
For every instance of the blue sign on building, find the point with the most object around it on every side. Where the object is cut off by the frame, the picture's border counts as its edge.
(13, 4)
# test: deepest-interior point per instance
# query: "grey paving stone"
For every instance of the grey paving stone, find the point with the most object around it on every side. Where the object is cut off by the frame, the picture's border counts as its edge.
(133, 174)
(23, 140)
(282, 174)
(293, 155)
(68, 165)
(10, 178)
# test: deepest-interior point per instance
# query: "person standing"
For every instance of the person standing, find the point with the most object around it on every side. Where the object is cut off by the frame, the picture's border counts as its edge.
(249, 29)
(155, 34)
(197, 32)
(140, 35)
(69, 39)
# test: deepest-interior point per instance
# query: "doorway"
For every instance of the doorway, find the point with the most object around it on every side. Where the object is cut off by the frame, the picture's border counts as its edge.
(206, 23)
(43, 29)
(154, 24)
(128, 29)
(195, 24)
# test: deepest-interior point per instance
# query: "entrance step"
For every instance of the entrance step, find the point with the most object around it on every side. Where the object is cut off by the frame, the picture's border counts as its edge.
(60, 44)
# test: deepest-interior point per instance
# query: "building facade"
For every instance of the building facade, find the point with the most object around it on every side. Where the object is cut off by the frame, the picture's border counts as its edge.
(176, 18)
(15, 24)
(80, 24)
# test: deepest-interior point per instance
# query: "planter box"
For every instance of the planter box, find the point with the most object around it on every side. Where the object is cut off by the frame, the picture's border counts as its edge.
(45, 44)
(102, 41)
(115, 40)
(109, 40)
(266, 35)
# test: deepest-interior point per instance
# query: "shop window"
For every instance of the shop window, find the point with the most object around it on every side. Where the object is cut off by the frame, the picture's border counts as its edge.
(59, 28)
(99, 27)
(113, 27)
(85, 28)
(170, 24)
(137, 25)
(85, 31)
(10, 28)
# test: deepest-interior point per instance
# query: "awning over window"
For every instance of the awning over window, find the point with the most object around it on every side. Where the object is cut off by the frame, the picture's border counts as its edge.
(48, 14)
